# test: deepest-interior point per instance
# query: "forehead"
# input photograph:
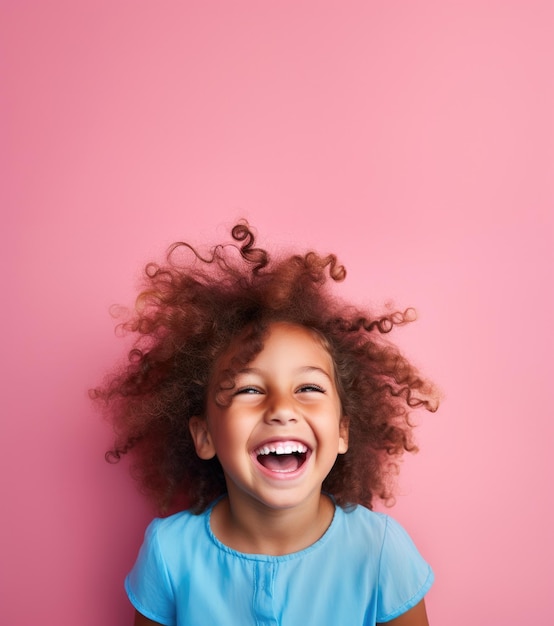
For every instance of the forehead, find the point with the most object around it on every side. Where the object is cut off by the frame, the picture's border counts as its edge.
(283, 342)
(295, 341)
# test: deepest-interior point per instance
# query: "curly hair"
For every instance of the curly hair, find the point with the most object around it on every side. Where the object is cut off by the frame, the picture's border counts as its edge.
(193, 306)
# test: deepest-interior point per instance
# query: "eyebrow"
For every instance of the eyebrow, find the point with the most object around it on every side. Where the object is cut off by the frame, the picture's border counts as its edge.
(306, 369)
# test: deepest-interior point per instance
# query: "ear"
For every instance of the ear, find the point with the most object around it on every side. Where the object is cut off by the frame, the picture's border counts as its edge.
(343, 434)
(200, 433)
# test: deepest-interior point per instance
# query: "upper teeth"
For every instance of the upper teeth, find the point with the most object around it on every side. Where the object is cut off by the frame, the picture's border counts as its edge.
(288, 448)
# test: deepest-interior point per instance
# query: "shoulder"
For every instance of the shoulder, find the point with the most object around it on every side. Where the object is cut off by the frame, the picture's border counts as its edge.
(379, 526)
(176, 522)
(383, 529)
(168, 545)
(361, 533)
(402, 576)
(359, 519)
(165, 531)
(169, 540)
(384, 539)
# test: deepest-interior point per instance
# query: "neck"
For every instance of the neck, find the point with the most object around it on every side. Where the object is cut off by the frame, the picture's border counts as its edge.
(256, 529)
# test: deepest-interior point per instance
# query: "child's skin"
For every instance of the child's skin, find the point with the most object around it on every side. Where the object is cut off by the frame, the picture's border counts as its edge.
(285, 396)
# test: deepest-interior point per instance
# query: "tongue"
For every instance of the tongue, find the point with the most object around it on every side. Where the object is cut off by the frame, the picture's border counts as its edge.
(280, 462)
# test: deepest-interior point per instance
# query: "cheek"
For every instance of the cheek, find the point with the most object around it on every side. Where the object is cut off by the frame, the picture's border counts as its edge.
(228, 432)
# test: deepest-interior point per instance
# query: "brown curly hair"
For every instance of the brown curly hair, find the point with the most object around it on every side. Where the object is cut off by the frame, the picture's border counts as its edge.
(191, 309)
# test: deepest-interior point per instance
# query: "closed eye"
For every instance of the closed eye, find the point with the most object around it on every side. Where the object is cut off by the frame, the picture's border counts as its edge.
(311, 388)
(247, 390)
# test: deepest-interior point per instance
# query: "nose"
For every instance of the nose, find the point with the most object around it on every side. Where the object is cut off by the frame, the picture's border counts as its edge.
(281, 411)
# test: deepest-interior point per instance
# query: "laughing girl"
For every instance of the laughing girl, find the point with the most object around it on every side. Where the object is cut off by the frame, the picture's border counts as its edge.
(265, 417)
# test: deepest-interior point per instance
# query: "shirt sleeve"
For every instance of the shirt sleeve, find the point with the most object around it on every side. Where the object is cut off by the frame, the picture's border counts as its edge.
(404, 577)
(148, 584)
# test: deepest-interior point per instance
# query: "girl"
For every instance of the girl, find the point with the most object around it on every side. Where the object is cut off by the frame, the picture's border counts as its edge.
(270, 416)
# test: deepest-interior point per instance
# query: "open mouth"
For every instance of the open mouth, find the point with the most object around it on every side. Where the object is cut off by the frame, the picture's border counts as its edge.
(284, 457)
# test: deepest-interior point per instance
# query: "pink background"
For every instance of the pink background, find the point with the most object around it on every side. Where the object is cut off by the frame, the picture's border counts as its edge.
(414, 139)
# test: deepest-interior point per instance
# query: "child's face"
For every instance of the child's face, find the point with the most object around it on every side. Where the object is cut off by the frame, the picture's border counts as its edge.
(280, 432)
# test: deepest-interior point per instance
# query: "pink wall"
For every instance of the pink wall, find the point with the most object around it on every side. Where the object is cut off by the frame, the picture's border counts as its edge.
(415, 139)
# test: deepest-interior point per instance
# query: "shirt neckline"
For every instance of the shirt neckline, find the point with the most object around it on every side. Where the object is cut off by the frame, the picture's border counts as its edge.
(246, 556)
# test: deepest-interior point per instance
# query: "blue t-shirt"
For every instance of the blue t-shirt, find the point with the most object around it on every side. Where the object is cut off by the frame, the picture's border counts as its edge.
(364, 569)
